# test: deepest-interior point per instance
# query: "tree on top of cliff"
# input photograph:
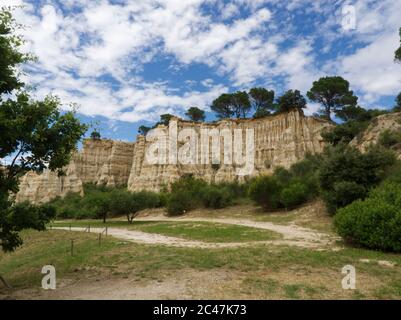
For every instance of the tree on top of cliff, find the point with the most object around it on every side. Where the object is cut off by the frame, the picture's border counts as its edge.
(164, 119)
(143, 130)
(195, 114)
(95, 135)
(333, 93)
(290, 100)
(397, 106)
(262, 101)
(398, 51)
(34, 135)
(232, 105)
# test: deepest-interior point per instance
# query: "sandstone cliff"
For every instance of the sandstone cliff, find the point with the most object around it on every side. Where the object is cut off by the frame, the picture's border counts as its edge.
(103, 162)
(278, 141)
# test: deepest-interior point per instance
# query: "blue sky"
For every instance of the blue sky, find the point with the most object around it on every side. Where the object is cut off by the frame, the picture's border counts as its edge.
(125, 62)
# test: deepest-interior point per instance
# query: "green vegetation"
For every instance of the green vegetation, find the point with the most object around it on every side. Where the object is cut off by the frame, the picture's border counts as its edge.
(290, 100)
(232, 105)
(355, 120)
(102, 202)
(389, 138)
(262, 101)
(398, 51)
(195, 114)
(273, 271)
(95, 135)
(346, 174)
(34, 134)
(210, 232)
(199, 230)
(374, 222)
(333, 94)
(287, 188)
(190, 193)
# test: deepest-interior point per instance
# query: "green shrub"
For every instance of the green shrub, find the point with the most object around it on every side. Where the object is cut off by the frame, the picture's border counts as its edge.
(216, 197)
(389, 138)
(374, 222)
(179, 203)
(343, 193)
(345, 132)
(294, 194)
(127, 203)
(265, 191)
(346, 167)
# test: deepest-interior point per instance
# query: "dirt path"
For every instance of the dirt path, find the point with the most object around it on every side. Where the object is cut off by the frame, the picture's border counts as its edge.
(289, 232)
(292, 235)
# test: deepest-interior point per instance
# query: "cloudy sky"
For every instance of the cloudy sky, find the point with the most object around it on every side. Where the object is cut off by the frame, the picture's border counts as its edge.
(125, 62)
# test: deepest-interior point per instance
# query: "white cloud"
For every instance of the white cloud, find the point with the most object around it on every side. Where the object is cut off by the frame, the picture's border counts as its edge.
(95, 54)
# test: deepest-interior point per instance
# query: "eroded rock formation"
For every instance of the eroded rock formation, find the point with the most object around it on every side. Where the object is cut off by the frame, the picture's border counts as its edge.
(390, 121)
(103, 162)
(278, 141)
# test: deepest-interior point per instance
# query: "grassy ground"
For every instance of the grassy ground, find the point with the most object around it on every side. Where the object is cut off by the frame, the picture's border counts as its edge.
(203, 231)
(258, 272)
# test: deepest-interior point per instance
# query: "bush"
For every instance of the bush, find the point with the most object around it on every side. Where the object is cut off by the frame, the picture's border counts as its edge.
(293, 195)
(374, 223)
(129, 204)
(189, 193)
(265, 191)
(216, 197)
(346, 167)
(389, 138)
(345, 132)
(179, 203)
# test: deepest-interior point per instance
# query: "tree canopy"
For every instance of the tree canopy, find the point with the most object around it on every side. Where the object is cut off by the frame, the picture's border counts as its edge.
(292, 99)
(230, 105)
(398, 51)
(262, 101)
(95, 135)
(195, 114)
(397, 106)
(34, 135)
(332, 93)
(143, 130)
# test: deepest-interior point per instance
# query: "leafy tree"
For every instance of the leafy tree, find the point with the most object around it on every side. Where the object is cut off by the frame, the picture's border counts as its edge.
(34, 134)
(398, 51)
(222, 106)
(143, 130)
(346, 174)
(292, 99)
(333, 93)
(195, 114)
(232, 105)
(11, 57)
(262, 101)
(100, 202)
(356, 119)
(265, 191)
(397, 107)
(164, 119)
(95, 135)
